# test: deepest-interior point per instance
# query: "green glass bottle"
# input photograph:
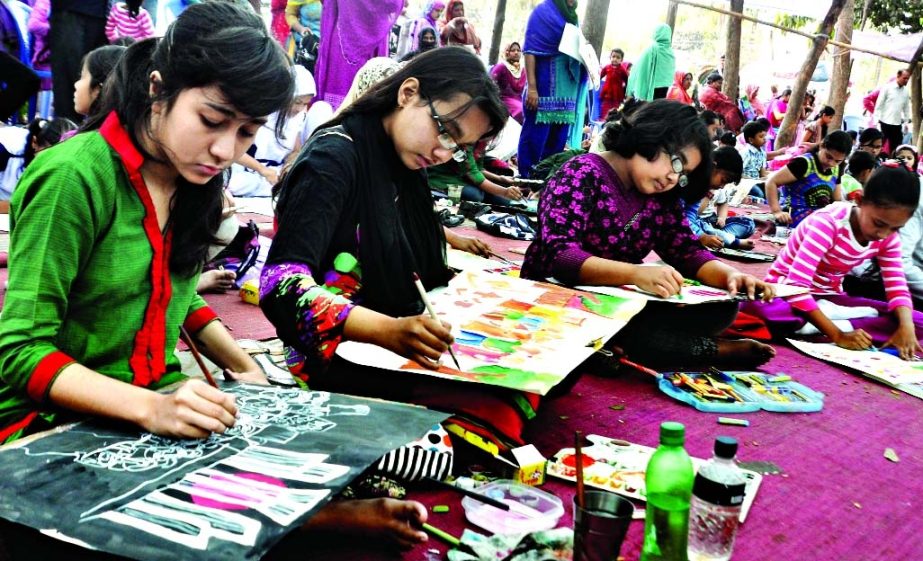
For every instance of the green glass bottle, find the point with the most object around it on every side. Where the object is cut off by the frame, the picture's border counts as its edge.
(668, 483)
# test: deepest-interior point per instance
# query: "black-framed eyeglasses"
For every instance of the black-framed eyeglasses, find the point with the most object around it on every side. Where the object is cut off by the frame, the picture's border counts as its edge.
(445, 139)
(679, 169)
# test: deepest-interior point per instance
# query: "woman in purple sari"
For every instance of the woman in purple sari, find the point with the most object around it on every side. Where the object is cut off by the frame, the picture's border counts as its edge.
(354, 31)
(555, 101)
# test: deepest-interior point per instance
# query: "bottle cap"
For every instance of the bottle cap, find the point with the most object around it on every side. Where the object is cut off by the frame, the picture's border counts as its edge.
(672, 433)
(725, 447)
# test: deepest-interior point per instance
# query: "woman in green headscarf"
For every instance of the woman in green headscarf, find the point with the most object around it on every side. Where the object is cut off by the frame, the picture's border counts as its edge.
(652, 74)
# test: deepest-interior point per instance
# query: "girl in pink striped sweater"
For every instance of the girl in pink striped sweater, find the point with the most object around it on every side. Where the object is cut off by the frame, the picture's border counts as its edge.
(129, 19)
(827, 245)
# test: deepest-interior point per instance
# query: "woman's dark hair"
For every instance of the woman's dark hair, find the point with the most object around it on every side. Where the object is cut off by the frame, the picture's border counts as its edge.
(134, 7)
(785, 92)
(710, 117)
(45, 133)
(826, 111)
(100, 63)
(468, 77)
(892, 187)
(210, 44)
(838, 141)
(870, 135)
(659, 126)
(861, 161)
(728, 139)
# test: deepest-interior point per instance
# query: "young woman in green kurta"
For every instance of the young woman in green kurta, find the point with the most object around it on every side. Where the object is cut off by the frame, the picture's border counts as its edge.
(109, 231)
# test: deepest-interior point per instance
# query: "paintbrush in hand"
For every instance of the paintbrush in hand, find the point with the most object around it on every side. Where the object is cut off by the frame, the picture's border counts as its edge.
(431, 311)
(198, 357)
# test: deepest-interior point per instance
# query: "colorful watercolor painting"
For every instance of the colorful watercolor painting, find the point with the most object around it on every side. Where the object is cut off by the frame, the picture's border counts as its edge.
(619, 466)
(903, 375)
(512, 332)
(691, 293)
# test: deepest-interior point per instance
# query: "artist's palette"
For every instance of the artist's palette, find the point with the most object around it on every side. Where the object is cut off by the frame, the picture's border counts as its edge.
(747, 392)
(619, 466)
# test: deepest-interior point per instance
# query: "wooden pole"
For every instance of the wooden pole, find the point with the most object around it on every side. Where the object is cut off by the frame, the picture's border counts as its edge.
(842, 64)
(672, 8)
(785, 29)
(916, 93)
(594, 24)
(497, 35)
(786, 134)
(731, 86)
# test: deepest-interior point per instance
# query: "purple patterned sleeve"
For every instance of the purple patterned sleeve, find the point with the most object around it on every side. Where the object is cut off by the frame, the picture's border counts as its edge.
(566, 217)
(677, 245)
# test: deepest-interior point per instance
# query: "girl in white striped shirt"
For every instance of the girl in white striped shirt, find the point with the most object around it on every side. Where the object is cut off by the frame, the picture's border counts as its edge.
(827, 245)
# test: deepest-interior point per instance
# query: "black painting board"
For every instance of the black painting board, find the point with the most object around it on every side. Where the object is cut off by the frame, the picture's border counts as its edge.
(230, 496)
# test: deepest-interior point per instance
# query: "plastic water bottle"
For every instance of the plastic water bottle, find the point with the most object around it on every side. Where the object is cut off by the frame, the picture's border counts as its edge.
(717, 496)
(668, 483)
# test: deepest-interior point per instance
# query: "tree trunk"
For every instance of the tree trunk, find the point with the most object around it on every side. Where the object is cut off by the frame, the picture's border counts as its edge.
(671, 15)
(594, 24)
(915, 106)
(787, 130)
(842, 64)
(495, 38)
(731, 85)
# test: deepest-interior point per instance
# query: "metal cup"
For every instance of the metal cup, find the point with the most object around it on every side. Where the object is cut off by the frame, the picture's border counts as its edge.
(601, 525)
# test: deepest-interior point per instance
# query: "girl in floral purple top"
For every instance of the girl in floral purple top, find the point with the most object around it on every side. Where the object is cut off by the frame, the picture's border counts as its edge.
(601, 214)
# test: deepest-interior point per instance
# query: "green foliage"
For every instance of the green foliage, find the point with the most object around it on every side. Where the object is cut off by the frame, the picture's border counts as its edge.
(884, 15)
(792, 21)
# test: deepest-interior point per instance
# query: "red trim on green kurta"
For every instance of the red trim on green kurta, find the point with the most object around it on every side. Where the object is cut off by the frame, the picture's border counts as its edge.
(147, 360)
(44, 373)
(19, 425)
(199, 319)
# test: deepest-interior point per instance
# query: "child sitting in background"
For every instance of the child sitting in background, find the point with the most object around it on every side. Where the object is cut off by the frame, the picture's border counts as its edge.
(479, 185)
(727, 139)
(129, 19)
(96, 67)
(859, 169)
(871, 140)
(708, 218)
(19, 145)
(811, 180)
(255, 173)
(753, 152)
(826, 246)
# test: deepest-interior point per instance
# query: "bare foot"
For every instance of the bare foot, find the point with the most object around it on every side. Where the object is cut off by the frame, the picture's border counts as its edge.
(216, 280)
(394, 520)
(745, 245)
(744, 352)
